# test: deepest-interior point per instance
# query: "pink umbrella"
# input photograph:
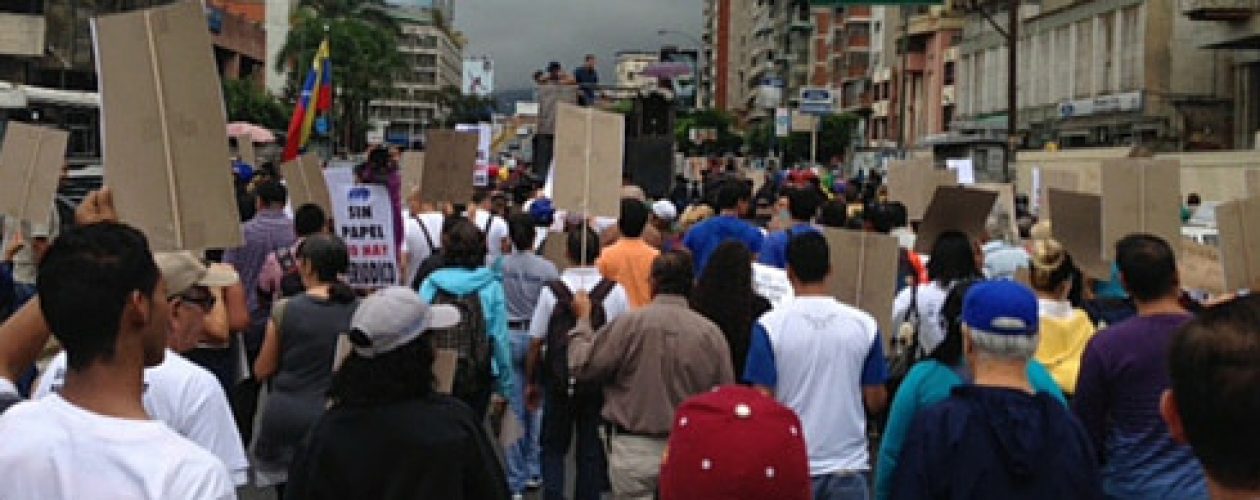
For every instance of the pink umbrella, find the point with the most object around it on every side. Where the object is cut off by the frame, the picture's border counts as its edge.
(254, 132)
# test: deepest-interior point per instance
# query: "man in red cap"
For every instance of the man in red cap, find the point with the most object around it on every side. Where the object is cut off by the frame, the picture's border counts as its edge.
(735, 443)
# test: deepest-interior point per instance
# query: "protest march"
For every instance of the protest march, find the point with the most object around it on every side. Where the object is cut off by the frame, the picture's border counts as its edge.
(315, 319)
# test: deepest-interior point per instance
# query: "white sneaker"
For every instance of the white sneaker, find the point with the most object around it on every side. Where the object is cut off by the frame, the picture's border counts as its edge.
(518, 496)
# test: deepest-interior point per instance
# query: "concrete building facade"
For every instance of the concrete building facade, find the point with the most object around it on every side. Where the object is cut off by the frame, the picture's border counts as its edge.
(929, 69)
(435, 62)
(1103, 73)
(1236, 34)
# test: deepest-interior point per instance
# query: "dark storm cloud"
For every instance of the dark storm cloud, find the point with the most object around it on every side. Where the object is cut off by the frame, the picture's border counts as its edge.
(523, 35)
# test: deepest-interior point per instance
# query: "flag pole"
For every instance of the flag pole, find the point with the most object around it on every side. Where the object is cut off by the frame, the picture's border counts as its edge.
(332, 136)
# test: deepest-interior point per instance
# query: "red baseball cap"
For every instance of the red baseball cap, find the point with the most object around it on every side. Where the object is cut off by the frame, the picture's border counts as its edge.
(735, 443)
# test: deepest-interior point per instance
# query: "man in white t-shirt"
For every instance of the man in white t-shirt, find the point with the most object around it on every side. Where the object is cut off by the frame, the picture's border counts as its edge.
(493, 226)
(106, 303)
(574, 415)
(422, 233)
(184, 396)
(824, 360)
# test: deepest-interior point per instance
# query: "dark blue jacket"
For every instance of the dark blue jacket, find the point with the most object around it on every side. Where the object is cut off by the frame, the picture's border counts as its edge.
(988, 442)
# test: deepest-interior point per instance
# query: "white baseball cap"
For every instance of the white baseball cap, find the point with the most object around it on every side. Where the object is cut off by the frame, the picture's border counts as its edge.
(393, 317)
(664, 210)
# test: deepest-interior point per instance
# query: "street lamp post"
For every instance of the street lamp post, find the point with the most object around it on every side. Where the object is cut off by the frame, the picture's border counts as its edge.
(1011, 34)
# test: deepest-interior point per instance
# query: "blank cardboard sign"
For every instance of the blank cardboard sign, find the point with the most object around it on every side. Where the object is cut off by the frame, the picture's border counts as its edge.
(412, 170)
(954, 209)
(913, 182)
(165, 146)
(304, 177)
(1253, 183)
(1063, 180)
(555, 248)
(864, 271)
(449, 162)
(1239, 225)
(1140, 195)
(1077, 225)
(245, 150)
(590, 146)
(30, 164)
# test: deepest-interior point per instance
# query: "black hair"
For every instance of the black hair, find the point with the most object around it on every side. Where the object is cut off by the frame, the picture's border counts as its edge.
(84, 282)
(803, 204)
(398, 375)
(480, 195)
(808, 257)
(1194, 200)
(950, 351)
(463, 244)
(309, 219)
(579, 252)
(329, 259)
(834, 213)
(269, 169)
(521, 231)
(953, 258)
(272, 192)
(730, 193)
(1214, 364)
(672, 274)
(634, 217)
(884, 217)
(1148, 266)
(724, 294)
(899, 215)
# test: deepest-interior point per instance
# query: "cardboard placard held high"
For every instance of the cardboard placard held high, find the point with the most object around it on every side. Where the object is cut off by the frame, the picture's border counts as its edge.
(1078, 226)
(304, 177)
(955, 209)
(1239, 224)
(412, 167)
(913, 182)
(30, 164)
(1140, 195)
(163, 127)
(590, 146)
(449, 163)
(864, 271)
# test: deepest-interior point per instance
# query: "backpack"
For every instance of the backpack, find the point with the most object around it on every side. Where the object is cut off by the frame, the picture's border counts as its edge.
(904, 348)
(562, 321)
(431, 263)
(291, 282)
(470, 339)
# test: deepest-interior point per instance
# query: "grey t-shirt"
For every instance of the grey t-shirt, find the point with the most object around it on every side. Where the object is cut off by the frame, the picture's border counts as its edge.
(524, 275)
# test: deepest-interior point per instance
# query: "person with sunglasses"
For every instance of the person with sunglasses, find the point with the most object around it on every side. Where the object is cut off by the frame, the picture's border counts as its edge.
(187, 397)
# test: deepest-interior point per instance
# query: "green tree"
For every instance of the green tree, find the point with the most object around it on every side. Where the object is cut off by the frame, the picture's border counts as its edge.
(363, 42)
(706, 119)
(246, 101)
(835, 136)
(459, 108)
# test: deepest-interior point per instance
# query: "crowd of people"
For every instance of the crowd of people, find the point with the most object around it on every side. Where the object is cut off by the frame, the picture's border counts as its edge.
(638, 352)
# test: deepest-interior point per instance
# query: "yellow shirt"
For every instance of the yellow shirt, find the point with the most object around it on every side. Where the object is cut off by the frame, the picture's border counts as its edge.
(1064, 334)
(629, 263)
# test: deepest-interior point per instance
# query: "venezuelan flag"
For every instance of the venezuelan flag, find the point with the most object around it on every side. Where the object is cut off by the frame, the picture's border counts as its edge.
(316, 99)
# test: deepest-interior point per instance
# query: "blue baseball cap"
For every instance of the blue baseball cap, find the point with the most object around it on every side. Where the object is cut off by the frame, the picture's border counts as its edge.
(1001, 307)
(542, 212)
(244, 172)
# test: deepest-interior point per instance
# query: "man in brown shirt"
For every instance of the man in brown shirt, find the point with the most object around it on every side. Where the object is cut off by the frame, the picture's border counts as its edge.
(649, 361)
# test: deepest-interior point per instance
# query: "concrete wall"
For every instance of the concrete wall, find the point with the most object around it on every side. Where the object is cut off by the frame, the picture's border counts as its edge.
(1215, 176)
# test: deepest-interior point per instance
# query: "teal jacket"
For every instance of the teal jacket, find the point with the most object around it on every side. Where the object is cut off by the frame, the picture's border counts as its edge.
(930, 382)
(488, 284)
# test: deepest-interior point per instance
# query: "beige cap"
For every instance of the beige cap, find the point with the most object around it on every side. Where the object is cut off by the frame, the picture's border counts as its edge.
(183, 270)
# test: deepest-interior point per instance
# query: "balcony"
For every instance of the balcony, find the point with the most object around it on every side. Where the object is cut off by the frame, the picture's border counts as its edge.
(858, 42)
(1218, 10)
(915, 62)
(21, 35)
(947, 95)
(854, 72)
(857, 14)
(927, 24)
(879, 109)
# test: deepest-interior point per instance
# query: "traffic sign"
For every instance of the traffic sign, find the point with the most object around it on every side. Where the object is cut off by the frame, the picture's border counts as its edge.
(816, 101)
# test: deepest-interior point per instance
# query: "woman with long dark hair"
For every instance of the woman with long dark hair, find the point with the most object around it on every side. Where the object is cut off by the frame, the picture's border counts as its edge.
(725, 295)
(931, 380)
(955, 258)
(297, 354)
(382, 167)
(389, 434)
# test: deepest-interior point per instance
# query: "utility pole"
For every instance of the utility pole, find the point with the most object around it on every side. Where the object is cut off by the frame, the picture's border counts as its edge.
(1012, 100)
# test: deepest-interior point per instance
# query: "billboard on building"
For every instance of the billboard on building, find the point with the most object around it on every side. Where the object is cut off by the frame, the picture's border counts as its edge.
(684, 85)
(478, 76)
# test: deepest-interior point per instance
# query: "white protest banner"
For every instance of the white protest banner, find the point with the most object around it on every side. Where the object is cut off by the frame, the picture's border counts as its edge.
(481, 175)
(365, 221)
(964, 168)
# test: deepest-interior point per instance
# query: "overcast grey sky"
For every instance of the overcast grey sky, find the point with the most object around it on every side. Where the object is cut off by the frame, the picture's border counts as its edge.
(523, 35)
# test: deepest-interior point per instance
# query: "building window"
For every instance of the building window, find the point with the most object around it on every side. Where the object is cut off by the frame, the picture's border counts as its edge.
(949, 73)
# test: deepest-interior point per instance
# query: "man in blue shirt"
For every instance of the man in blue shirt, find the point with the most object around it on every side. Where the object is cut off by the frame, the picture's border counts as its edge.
(587, 78)
(802, 207)
(824, 360)
(732, 199)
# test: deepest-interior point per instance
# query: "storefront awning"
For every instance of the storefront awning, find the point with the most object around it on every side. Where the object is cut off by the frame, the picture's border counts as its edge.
(20, 96)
